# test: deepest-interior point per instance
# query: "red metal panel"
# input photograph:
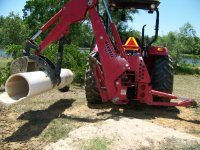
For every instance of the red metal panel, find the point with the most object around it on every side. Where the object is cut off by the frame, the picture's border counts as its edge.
(143, 79)
(51, 21)
(113, 65)
(158, 51)
(137, 64)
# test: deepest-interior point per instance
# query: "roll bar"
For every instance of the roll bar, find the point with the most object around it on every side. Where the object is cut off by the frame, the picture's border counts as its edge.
(156, 28)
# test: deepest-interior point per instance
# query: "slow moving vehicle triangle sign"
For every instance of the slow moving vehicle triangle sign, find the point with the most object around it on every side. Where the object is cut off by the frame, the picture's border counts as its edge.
(131, 44)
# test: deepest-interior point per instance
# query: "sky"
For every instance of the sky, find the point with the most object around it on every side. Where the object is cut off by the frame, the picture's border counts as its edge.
(173, 15)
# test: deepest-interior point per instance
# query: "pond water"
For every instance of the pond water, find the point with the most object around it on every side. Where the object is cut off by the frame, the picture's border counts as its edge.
(190, 61)
(3, 53)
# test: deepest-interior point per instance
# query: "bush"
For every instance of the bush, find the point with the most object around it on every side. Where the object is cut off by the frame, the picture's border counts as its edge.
(72, 59)
(187, 69)
(4, 74)
(14, 50)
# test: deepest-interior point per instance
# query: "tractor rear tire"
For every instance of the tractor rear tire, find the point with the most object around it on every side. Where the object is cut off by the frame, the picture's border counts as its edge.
(162, 76)
(91, 90)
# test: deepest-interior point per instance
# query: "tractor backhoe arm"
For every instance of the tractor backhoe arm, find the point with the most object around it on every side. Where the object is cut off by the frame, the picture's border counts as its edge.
(72, 12)
(113, 62)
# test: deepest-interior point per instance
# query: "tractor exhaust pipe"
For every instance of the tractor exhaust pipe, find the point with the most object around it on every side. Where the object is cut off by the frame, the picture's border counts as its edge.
(21, 86)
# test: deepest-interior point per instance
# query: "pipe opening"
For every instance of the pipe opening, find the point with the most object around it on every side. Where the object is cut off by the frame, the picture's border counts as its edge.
(17, 87)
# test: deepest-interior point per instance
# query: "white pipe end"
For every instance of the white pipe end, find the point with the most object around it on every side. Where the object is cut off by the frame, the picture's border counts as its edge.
(4, 98)
(17, 87)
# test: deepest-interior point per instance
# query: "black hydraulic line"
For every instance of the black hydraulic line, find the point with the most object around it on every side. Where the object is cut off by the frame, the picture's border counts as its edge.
(106, 22)
(29, 45)
(107, 10)
(59, 59)
(93, 44)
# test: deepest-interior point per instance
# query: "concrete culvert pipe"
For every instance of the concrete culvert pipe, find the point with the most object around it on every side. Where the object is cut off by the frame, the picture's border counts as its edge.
(21, 86)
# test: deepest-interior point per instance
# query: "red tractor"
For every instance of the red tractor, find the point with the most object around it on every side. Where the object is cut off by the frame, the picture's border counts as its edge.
(113, 73)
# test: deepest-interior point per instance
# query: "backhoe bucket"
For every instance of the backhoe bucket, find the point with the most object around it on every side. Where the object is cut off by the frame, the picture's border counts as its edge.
(22, 64)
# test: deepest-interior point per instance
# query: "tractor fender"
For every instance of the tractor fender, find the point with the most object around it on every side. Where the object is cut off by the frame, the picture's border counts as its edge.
(157, 50)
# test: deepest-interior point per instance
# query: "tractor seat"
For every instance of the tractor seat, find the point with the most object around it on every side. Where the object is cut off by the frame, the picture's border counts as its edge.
(137, 4)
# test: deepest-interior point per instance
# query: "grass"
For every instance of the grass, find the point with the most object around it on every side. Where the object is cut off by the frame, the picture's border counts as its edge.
(187, 69)
(97, 144)
(187, 86)
(196, 111)
(57, 129)
(191, 56)
(174, 144)
(4, 61)
(178, 144)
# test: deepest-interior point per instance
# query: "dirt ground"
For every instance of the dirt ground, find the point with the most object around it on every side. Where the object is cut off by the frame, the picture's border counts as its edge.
(34, 123)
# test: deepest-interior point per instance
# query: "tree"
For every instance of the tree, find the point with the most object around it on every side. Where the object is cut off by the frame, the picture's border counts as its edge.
(183, 42)
(187, 38)
(13, 33)
(172, 42)
(13, 30)
(196, 49)
(122, 25)
(126, 34)
(72, 59)
(37, 13)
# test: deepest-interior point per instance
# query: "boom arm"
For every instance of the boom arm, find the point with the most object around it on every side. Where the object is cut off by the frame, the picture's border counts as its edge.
(72, 12)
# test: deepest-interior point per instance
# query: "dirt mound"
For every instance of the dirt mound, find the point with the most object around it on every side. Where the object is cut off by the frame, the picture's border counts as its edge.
(123, 133)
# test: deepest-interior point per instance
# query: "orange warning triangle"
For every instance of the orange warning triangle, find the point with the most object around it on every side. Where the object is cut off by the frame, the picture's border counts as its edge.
(131, 42)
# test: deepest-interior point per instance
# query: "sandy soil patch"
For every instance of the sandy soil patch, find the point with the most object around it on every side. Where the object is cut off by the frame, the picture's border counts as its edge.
(124, 134)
